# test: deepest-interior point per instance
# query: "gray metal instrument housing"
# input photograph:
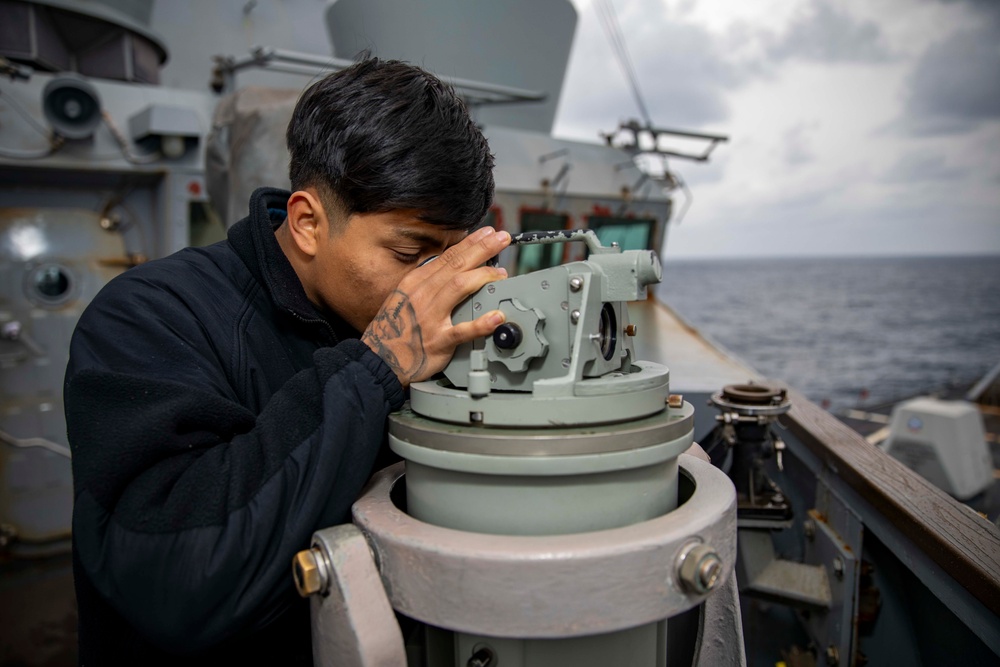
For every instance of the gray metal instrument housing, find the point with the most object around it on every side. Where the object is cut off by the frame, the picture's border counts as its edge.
(572, 318)
(566, 337)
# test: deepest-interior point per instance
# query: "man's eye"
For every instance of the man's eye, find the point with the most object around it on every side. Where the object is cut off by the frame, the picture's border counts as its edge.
(405, 257)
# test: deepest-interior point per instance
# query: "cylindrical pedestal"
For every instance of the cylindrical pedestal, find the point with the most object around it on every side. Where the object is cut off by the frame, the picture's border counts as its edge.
(551, 481)
(541, 481)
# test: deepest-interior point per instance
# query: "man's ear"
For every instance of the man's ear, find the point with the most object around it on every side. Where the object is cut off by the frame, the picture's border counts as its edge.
(306, 220)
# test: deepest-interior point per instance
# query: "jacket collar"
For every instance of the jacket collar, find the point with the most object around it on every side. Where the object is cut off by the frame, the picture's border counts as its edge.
(254, 241)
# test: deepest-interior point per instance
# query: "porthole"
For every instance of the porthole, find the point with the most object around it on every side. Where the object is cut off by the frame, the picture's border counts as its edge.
(50, 284)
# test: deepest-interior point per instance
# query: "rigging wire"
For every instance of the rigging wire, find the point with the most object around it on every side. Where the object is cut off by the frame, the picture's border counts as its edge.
(26, 115)
(609, 21)
(688, 197)
(55, 142)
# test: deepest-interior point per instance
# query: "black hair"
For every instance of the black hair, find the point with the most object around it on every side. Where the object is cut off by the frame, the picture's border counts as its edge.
(385, 135)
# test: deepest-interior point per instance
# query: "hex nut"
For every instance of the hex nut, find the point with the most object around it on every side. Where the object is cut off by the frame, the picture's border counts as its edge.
(309, 572)
(699, 568)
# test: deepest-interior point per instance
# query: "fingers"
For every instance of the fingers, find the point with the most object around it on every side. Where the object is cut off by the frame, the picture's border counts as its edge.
(466, 283)
(471, 252)
(477, 328)
(476, 248)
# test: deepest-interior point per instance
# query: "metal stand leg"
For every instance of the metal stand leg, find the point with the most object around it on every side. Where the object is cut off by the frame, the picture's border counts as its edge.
(353, 624)
(720, 632)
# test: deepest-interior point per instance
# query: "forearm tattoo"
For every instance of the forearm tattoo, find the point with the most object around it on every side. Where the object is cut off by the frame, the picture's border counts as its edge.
(395, 336)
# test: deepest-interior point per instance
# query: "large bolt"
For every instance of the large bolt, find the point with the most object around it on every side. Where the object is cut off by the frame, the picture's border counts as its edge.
(309, 572)
(575, 283)
(699, 568)
(809, 529)
(111, 222)
(11, 330)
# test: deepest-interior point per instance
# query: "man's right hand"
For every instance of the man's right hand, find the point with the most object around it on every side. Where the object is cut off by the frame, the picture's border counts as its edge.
(413, 331)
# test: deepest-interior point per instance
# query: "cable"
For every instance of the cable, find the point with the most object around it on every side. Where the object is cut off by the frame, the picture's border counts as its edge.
(27, 443)
(609, 20)
(633, 77)
(123, 143)
(16, 106)
(55, 142)
(37, 154)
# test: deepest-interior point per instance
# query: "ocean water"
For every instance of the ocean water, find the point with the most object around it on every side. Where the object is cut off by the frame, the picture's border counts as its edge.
(847, 333)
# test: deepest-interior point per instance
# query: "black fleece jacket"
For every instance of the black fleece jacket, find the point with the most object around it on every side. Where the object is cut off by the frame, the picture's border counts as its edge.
(216, 420)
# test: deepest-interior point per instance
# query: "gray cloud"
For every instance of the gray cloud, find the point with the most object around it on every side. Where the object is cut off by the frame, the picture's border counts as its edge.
(797, 150)
(823, 32)
(988, 8)
(923, 167)
(956, 83)
(798, 202)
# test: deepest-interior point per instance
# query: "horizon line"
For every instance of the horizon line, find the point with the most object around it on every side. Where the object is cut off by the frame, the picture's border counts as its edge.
(931, 255)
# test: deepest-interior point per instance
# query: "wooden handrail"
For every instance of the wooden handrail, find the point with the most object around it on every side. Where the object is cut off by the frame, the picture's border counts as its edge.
(961, 542)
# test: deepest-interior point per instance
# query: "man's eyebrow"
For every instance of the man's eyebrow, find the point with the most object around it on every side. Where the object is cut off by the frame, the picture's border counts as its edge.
(419, 236)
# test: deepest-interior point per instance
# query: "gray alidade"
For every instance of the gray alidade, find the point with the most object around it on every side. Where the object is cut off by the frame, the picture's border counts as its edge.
(563, 356)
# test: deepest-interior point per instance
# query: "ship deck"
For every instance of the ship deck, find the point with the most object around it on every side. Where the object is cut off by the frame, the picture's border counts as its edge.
(696, 363)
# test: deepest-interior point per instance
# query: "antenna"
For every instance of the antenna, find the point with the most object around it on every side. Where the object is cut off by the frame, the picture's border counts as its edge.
(632, 135)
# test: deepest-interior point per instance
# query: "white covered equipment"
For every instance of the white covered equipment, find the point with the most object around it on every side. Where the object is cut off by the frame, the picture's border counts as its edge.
(944, 442)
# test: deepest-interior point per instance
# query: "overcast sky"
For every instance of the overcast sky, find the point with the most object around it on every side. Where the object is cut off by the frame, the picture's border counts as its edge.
(855, 127)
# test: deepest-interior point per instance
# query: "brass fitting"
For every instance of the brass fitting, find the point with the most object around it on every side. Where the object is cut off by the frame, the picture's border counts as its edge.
(310, 573)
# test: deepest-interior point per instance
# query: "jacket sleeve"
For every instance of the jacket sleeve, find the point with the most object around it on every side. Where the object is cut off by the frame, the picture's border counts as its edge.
(188, 507)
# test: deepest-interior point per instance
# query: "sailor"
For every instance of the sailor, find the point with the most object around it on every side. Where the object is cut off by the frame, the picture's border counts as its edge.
(225, 402)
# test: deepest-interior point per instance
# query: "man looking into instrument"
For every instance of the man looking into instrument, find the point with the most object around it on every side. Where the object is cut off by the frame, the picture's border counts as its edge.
(223, 403)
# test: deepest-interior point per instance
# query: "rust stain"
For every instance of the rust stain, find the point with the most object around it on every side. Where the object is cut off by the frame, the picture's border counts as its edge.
(819, 516)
